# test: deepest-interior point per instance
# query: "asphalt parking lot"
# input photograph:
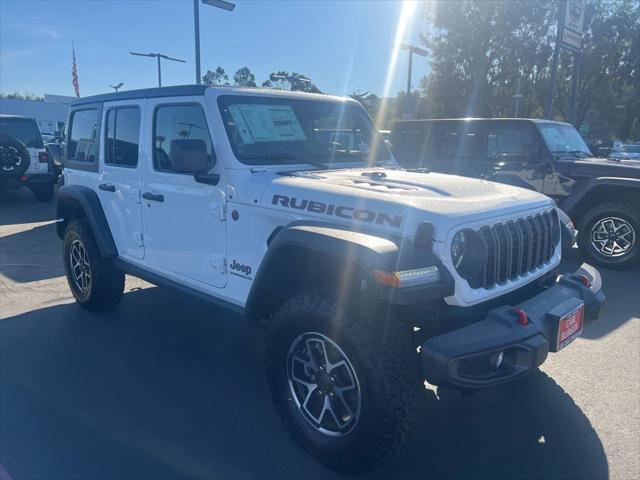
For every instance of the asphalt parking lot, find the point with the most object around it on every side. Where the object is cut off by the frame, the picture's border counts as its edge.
(166, 386)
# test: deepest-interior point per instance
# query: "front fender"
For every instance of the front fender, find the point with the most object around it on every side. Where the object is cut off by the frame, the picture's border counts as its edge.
(352, 254)
(584, 188)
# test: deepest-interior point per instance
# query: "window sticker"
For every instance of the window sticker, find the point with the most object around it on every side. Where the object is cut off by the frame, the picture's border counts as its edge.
(266, 123)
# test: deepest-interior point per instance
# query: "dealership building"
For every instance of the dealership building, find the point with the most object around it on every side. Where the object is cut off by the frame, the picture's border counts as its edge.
(51, 114)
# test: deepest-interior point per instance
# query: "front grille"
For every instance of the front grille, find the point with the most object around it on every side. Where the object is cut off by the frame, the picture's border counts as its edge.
(516, 248)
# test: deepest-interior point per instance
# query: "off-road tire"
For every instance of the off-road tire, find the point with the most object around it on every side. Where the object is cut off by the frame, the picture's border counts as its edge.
(12, 151)
(627, 212)
(43, 192)
(106, 282)
(387, 367)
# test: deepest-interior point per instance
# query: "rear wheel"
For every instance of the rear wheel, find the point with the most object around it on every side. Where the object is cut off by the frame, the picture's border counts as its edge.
(14, 157)
(95, 283)
(609, 234)
(347, 385)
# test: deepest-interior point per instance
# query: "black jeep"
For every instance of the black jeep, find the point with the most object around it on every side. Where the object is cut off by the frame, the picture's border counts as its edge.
(602, 197)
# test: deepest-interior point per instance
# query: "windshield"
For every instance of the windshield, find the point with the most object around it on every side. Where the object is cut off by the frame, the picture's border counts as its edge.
(274, 131)
(563, 139)
(23, 129)
(628, 148)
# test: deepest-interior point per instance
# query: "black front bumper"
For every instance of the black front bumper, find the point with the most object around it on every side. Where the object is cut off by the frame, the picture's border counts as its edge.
(466, 358)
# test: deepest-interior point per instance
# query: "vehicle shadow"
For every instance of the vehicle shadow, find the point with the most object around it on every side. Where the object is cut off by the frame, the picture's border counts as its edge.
(622, 289)
(31, 254)
(169, 386)
(19, 206)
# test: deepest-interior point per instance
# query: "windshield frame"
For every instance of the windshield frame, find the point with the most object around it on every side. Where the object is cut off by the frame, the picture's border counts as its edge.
(336, 159)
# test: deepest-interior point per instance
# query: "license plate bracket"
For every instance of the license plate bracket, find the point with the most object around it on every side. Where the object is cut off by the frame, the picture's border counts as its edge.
(566, 322)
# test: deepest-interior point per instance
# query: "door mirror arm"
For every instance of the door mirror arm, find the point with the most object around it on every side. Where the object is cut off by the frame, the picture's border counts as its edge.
(207, 178)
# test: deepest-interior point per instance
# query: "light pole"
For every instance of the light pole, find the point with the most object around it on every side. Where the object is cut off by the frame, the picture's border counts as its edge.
(158, 56)
(116, 87)
(222, 4)
(418, 51)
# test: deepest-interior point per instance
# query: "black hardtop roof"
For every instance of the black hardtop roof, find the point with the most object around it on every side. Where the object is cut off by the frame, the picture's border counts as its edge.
(461, 120)
(173, 91)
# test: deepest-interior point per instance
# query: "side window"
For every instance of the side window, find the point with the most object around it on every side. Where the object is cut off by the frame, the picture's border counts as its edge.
(122, 136)
(181, 139)
(83, 132)
(509, 144)
(456, 142)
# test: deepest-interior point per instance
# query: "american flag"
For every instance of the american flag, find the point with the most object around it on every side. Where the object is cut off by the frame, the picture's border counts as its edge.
(74, 73)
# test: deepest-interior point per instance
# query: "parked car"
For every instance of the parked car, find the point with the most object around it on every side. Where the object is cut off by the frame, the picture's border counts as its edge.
(24, 161)
(626, 152)
(602, 197)
(245, 198)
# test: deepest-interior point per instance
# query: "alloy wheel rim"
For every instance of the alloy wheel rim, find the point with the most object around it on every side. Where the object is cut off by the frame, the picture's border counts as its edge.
(613, 236)
(10, 159)
(324, 384)
(80, 267)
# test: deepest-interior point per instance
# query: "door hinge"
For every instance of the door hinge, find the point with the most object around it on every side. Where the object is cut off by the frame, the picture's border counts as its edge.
(134, 193)
(219, 264)
(219, 210)
(139, 238)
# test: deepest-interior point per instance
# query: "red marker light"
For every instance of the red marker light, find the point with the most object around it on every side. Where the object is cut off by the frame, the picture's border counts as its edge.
(585, 280)
(523, 318)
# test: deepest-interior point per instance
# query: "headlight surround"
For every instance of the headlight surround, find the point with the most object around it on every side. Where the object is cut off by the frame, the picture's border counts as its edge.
(468, 253)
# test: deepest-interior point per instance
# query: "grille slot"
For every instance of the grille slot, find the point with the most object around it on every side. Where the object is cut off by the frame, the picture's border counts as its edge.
(516, 248)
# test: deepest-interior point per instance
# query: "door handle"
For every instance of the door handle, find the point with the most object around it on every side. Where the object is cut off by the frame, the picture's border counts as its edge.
(156, 197)
(107, 187)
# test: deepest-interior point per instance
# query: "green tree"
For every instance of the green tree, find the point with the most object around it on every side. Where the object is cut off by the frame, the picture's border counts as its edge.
(244, 78)
(479, 50)
(283, 80)
(217, 77)
(22, 96)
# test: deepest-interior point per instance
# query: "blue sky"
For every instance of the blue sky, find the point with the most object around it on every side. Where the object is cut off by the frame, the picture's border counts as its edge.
(341, 45)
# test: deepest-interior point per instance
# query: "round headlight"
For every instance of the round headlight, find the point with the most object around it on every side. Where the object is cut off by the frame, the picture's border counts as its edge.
(457, 248)
(468, 253)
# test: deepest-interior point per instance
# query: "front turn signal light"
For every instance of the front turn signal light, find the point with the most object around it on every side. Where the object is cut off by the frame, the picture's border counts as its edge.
(408, 278)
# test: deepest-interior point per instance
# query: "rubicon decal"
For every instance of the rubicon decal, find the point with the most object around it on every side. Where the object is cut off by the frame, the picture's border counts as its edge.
(330, 209)
(240, 270)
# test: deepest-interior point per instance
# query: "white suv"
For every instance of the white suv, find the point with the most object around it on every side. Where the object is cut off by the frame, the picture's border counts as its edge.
(290, 208)
(23, 158)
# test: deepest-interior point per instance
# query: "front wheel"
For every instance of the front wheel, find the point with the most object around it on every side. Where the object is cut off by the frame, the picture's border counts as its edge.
(347, 385)
(609, 234)
(95, 283)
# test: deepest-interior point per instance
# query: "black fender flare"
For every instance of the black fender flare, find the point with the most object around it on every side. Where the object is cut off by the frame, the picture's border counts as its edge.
(364, 250)
(572, 202)
(79, 201)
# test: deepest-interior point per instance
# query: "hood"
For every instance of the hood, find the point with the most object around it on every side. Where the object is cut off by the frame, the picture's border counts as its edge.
(396, 199)
(600, 167)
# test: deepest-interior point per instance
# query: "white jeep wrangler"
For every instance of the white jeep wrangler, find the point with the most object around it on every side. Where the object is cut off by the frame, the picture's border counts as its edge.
(290, 208)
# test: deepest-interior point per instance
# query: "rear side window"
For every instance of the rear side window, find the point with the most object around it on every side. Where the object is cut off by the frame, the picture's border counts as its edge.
(180, 132)
(509, 144)
(23, 129)
(122, 136)
(458, 142)
(83, 132)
